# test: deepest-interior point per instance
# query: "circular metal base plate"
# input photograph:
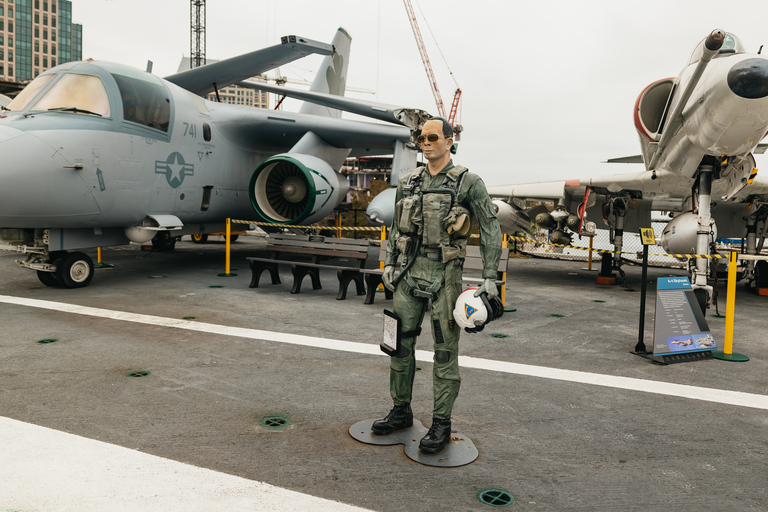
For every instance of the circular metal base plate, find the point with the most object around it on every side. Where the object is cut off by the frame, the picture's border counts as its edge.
(459, 452)
(736, 358)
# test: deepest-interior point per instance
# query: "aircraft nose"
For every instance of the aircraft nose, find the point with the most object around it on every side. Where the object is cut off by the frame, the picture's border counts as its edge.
(7, 133)
(749, 78)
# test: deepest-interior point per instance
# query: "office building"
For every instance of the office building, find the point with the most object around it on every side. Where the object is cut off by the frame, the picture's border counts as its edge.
(36, 35)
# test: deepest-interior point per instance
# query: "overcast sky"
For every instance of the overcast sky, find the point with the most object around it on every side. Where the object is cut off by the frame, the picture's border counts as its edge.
(548, 86)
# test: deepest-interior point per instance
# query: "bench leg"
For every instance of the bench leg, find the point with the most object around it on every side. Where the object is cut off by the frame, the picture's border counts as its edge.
(299, 272)
(372, 281)
(347, 276)
(258, 267)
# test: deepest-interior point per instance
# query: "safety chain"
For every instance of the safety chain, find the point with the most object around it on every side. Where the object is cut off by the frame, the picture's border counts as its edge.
(509, 237)
(312, 226)
(606, 251)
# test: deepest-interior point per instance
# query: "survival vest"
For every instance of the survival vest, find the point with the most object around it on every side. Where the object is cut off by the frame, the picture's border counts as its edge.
(429, 215)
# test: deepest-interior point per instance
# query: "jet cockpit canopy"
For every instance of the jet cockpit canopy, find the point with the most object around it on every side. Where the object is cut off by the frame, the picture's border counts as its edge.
(86, 88)
(731, 44)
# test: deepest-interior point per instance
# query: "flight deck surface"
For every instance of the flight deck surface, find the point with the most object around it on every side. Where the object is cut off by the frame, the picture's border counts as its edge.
(564, 417)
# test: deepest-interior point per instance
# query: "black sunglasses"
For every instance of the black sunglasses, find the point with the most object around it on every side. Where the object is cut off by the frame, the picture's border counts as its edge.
(432, 137)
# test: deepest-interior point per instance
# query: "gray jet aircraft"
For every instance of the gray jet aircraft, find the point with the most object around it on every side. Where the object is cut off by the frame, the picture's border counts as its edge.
(96, 154)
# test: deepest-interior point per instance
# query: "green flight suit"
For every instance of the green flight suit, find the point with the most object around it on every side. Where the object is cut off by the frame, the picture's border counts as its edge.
(426, 269)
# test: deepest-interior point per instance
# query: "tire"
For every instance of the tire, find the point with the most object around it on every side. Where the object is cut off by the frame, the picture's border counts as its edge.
(163, 241)
(761, 274)
(701, 298)
(75, 270)
(199, 238)
(48, 278)
(232, 238)
(606, 264)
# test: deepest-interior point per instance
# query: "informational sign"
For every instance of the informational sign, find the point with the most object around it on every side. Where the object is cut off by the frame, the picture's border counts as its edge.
(647, 236)
(680, 324)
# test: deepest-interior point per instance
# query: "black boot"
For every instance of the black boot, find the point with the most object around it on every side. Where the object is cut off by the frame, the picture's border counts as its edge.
(438, 436)
(399, 417)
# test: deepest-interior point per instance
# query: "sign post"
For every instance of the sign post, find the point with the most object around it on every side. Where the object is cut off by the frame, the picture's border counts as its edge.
(648, 238)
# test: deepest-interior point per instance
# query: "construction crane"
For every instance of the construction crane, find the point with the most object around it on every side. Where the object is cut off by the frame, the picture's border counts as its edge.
(197, 34)
(431, 75)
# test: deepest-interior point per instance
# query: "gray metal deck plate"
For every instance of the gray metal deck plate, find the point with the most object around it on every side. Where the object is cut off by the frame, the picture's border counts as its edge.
(459, 452)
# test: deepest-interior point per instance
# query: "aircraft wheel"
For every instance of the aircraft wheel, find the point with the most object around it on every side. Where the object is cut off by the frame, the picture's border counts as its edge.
(606, 264)
(75, 270)
(232, 238)
(701, 298)
(199, 238)
(163, 241)
(47, 278)
(761, 274)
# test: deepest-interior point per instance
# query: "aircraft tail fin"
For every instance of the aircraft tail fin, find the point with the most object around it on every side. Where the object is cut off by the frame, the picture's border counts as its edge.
(332, 76)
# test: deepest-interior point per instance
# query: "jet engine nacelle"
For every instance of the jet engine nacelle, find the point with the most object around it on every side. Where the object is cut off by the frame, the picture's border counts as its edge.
(679, 237)
(293, 188)
(650, 108)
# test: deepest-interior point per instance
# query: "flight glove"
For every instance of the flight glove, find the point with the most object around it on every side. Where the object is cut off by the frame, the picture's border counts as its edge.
(488, 286)
(388, 277)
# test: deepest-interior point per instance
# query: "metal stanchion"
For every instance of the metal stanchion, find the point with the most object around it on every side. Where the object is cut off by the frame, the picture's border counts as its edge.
(99, 263)
(227, 273)
(727, 353)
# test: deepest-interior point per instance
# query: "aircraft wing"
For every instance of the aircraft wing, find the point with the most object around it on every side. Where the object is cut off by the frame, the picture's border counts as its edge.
(640, 181)
(226, 72)
(413, 118)
(260, 129)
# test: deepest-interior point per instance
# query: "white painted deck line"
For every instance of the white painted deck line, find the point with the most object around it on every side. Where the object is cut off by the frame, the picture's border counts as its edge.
(721, 396)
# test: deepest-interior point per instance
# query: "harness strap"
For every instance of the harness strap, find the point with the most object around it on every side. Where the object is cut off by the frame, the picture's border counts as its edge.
(411, 334)
(429, 293)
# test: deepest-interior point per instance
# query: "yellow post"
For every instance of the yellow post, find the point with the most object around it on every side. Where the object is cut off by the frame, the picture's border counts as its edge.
(504, 245)
(383, 241)
(727, 353)
(589, 266)
(730, 307)
(338, 224)
(229, 230)
(100, 263)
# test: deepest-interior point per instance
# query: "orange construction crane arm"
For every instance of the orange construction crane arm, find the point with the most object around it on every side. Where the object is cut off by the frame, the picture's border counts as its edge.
(425, 58)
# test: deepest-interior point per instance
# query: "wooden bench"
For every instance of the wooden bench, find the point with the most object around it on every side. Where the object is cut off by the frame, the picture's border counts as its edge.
(307, 255)
(473, 269)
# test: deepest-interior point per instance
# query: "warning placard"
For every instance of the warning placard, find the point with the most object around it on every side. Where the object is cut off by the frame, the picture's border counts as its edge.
(647, 236)
(680, 325)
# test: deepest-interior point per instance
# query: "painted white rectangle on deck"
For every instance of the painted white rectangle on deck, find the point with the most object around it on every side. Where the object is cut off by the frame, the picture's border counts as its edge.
(45, 469)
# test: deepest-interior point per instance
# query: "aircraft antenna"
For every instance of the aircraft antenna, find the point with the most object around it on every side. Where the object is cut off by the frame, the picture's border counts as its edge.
(431, 75)
(197, 34)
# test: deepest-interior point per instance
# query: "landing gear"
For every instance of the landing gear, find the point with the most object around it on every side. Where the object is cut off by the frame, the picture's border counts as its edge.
(163, 241)
(614, 212)
(47, 278)
(760, 274)
(704, 237)
(199, 238)
(75, 270)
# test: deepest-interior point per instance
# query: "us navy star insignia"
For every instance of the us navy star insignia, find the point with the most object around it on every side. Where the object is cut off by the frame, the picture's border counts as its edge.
(175, 169)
